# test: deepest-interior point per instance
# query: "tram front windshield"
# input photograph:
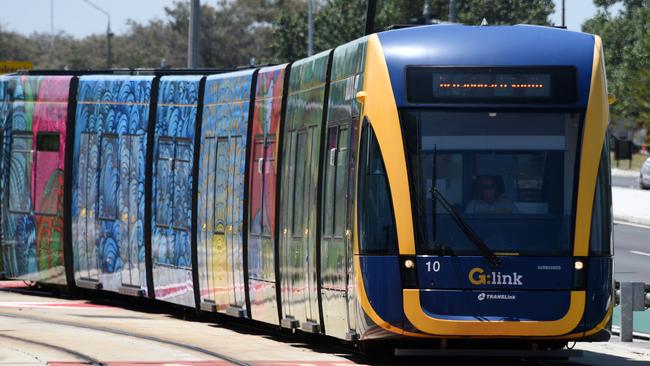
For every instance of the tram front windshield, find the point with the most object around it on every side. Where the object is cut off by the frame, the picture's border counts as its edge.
(510, 176)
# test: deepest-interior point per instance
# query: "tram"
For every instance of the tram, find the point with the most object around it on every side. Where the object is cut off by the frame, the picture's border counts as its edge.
(434, 183)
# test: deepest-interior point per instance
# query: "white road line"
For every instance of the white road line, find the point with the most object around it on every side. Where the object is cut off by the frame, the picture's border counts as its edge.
(640, 253)
(616, 222)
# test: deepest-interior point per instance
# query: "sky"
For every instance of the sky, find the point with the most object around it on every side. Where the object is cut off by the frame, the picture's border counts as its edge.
(78, 18)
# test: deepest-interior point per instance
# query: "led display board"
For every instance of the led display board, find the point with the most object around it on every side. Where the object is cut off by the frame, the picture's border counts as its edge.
(555, 85)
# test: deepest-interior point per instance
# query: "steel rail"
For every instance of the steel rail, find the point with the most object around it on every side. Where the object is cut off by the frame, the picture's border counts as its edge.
(69, 351)
(129, 334)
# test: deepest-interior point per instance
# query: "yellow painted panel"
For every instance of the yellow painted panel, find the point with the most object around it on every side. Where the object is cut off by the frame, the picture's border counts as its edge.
(431, 325)
(375, 66)
(596, 121)
(381, 110)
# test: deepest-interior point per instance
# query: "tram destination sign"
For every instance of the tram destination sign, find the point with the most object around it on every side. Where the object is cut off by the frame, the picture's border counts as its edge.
(490, 85)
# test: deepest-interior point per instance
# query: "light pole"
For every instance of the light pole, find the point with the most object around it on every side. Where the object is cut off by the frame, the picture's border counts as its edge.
(109, 34)
(370, 17)
(193, 35)
(452, 11)
(563, 15)
(310, 28)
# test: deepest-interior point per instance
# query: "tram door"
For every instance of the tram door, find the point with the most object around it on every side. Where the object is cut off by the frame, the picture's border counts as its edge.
(217, 253)
(88, 190)
(261, 266)
(210, 237)
(298, 266)
(129, 183)
(235, 252)
(336, 243)
(225, 253)
(48, 189)
(3, 253)
(23, 257)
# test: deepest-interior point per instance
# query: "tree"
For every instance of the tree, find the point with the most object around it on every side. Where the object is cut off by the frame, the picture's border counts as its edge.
(626, 40)
(505, 12)
(238, 32)
(470, 12)
(335, 23)
(340, 21)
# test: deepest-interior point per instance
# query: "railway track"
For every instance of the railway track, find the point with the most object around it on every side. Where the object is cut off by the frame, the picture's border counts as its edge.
(113, 331)
(81, 356)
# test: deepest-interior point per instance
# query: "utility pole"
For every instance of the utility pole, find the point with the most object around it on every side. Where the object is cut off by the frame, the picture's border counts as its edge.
(310, 28)
(52, 18)
(51, 31)
(370, 17)
(109, 34)
(193, 41)
(563, 15)
(452, 11)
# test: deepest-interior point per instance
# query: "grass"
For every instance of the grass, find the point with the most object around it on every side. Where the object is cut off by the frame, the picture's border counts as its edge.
(637, 161)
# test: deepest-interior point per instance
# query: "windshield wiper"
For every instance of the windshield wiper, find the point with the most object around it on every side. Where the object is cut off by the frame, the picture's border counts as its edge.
(487, 253)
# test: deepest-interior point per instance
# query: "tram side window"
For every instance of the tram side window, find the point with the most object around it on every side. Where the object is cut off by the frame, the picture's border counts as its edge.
(601, 218)
(20, 174)
(342, 170)
(108, 178)
(46, 161)
(47, 141)
(164, 181)
(299, 185)
(377, 233)
(182, 191)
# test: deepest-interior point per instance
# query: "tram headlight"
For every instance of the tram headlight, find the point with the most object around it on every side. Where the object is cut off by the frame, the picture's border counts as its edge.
(579, 265)
(408, 273)
(580, 274)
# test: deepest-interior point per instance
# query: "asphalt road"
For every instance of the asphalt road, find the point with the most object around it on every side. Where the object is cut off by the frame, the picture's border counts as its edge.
(631, 253)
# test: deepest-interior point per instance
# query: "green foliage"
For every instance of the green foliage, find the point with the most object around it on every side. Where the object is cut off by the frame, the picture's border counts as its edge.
(335, 22)
(626, 40)
(290, 32)
(469, 12)
(340, 21)
(505, 12)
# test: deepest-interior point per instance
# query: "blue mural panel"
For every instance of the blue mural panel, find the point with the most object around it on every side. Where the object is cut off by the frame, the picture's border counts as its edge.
(4, 105)
(221, 189)
(108, 181)
(172, 188)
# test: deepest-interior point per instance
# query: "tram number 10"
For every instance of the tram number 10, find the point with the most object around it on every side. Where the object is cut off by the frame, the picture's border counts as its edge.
(433, 266)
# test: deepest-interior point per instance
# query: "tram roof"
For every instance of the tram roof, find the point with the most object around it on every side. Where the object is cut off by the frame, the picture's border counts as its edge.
(461, 45)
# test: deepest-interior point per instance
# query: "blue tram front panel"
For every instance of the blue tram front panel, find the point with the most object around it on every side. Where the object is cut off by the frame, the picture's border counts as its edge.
(460, 287)
(504, 145)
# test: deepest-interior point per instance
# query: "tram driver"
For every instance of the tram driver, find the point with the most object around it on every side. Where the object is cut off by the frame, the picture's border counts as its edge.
(491, 199)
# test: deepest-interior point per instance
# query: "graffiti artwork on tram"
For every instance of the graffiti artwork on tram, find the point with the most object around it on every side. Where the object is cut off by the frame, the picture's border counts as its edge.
(35, 118)
(172, 187)
(108, 178)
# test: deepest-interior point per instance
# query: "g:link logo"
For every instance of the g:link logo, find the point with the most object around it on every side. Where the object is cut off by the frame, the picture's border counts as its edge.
(477, 276)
